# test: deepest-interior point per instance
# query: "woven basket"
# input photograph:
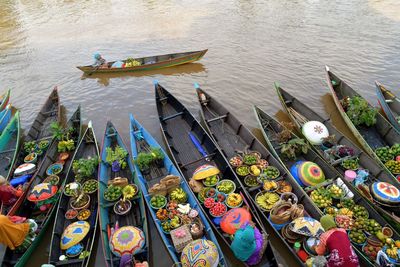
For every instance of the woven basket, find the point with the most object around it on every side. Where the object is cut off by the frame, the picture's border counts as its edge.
(297, 212)
(283, 217)
(181, 242)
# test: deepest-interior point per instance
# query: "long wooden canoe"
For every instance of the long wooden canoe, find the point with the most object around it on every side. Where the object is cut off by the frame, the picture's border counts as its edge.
(9, 145)
(87, 147)
(4, 99)
(108, 218)
(29, 209)
(270, 128)
(181, 130)
(232, 136)
(299, 113)
(379, 135)
(390, 104)
(142, 141)
(150, 63)
(40, 130)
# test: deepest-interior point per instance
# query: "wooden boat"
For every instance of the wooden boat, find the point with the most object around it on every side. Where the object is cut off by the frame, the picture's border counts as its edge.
(4, 99)
(5, 117)
(270, 129)
(390, 104)
(380, 135)
(39, 131)
(87, 147)
(9, 145)
(142, 141)
(233, 136)
(30, 210)
(149, 63)
(179, 127)
(108, 218)
(299, 113)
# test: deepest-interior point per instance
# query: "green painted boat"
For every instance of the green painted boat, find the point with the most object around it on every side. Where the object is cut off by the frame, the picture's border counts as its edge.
(389, 103)
(149, 63)
(299, 113)
(379, 135)
(136, 216)
(30, 210)
(9, 145)
(270, 129)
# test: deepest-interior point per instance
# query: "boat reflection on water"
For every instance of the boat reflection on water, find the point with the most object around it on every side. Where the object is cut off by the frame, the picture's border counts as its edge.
(190, 68)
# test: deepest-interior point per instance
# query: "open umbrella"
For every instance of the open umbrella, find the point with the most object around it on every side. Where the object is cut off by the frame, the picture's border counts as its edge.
(306, 226)
(74, 233)
(314, 132)
(42, 192)
(127, 240)
(205, 171)
(234, 219)
(200, 253)
(25, 168)
(385, 192)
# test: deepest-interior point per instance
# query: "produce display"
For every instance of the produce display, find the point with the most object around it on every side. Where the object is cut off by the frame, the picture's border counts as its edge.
(226, 186)
(179, 195)
(234, 200)
(221, 197)
(175, 222)
(360, 212)
(272, 172)
(384, 153)
(162, 214)
(211, 181)
(130, 191)
(321, 197)
(350, 164)
(346, 203)
(255, 170)
(331, 211)
(336, 191)
(166, 226)
(218, 209)
(346, 212)
(71, 188)
(209, 202)
(71, 214)
(83, 215)
(262, 164)
(284, 187)
(90, 186)
(250, 159)
(236, 161)
(212, 192)
(158, 202)
(52, 179)
(270, 186)
(357, 237)
(372, 226)
(112, 193)
(265, 200)
(243, 170)
(393, 166)
(344, 221)
(251, 181)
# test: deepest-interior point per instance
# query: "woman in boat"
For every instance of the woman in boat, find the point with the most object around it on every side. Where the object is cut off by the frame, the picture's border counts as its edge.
(17, 233)
(337, 242)
(8, 194)
(99, 61)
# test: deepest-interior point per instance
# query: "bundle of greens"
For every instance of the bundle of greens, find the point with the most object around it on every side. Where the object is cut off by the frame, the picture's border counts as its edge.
(360, 112)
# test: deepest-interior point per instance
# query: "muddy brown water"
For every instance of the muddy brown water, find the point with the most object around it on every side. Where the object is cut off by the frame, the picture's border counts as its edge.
(252, 43)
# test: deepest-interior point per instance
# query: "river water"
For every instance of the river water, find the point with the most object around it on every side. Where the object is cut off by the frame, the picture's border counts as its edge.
(252, 43)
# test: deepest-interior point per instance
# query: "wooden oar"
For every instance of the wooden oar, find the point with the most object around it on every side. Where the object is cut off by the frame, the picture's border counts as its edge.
(90, 73)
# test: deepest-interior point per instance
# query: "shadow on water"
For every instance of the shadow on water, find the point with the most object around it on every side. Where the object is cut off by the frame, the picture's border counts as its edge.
(104, 78)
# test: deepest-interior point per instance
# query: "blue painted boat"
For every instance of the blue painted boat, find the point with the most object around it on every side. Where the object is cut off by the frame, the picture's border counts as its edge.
(390, 104)
(5, 117)
(142, 140)
(108, 218)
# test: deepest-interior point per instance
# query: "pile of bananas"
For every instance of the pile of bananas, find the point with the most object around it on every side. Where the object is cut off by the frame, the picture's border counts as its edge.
(392, 252)
(267, 200)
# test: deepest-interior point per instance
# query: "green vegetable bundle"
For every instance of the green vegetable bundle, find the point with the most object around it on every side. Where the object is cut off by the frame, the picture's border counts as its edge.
(360, 112)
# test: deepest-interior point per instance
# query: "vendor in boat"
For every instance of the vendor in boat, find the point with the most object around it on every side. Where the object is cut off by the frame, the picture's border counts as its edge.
(17, 233)
(99, 61)
(8, 194)
(337, 242)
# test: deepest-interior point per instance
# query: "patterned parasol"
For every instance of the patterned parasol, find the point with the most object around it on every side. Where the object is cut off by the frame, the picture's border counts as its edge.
(24, 169)
(314, 132)
(200, 253)
(306, 226)
(234, 219)
(205, 171)
(73, 234)
(127, 240)
(385, 192)
(42, 192)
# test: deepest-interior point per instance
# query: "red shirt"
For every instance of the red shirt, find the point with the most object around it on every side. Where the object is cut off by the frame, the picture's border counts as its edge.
(7, 194)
